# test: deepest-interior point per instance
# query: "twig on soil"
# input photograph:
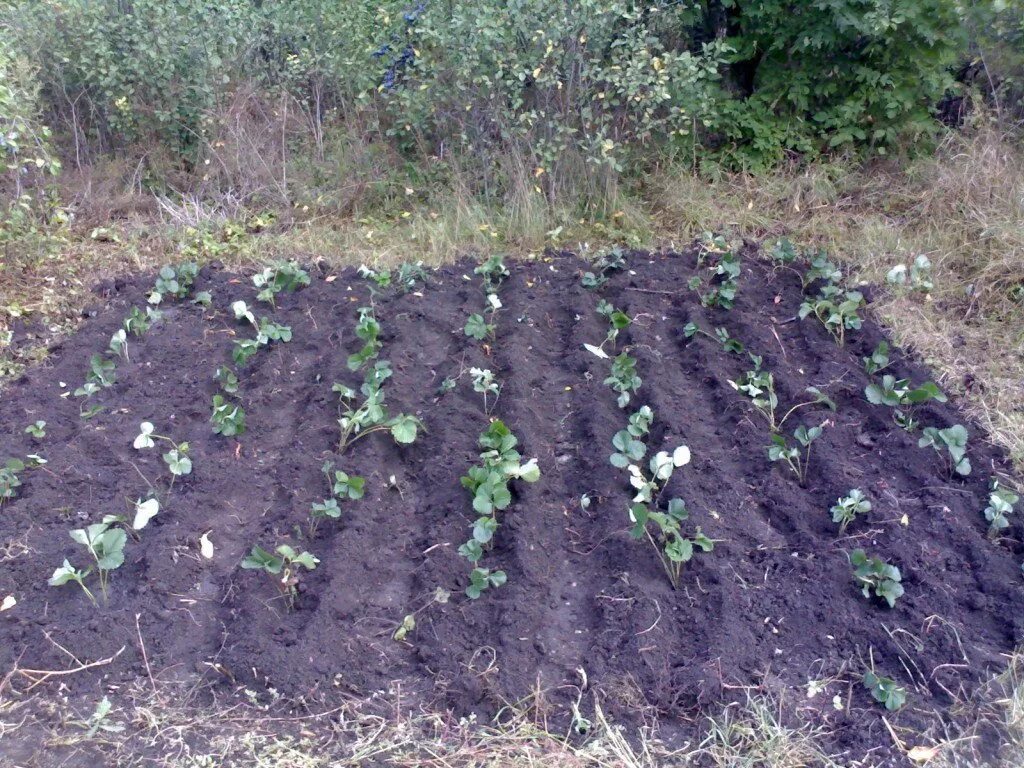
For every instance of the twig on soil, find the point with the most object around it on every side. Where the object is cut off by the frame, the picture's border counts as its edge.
(40, 676)
(145, 657)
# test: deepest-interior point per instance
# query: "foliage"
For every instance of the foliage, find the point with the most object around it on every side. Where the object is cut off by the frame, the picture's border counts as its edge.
(371, 415)
(759, 385)
(878, 360)
(368, 331)
(876, 577)
(1000, 504)
(175, 281)
(781, 451)
(623, 378)
(901, 394)
(849, 507)
(344, 487)
(836, 309)
(917, 278)
(885, 690)
(486, 384)
(478, 328)
(105, 544)
(721, 335)
(953, 442)
(266, 331)
(488, 483)
(725, 272)
(282, 566)
(36, 429)
(607, 262)
(176, 457)
(228, 419)
(282, 276)
(9, 478)
(618, 321)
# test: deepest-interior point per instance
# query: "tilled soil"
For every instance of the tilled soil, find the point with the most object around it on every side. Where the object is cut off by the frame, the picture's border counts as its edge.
(773, 606)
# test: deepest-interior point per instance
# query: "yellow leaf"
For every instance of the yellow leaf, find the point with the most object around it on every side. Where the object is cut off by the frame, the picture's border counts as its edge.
(905, 521)
(922, 754)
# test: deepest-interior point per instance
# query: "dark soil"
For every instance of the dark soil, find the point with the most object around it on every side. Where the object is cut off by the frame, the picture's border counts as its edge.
(773, 606)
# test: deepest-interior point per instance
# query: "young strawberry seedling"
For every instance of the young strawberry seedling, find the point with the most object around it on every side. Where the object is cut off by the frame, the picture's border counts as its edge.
(951, 442)
(781, 451)
(9, 479)
(138, 322)
(821, 269)
(759, 386)
(344, 487)
(618, 321)
(876, 577)
(721, 335)
(725, 274)
(846, 509)
(105, 545)
(493, 271)
(227, 418)
(36, 429)
(836, 310)
(623, 378)
(174, 281)
(1000, 504)
(486, 384)
(281, 276)
(488, 482)
(227, 380)
(283, 567)
(605, 264)
(371, 415)
(885, 691)
(176, 458)
(367, 331)
(878, 360)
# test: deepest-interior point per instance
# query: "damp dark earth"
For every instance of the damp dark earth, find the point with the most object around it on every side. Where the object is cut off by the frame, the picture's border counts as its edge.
(584, 610)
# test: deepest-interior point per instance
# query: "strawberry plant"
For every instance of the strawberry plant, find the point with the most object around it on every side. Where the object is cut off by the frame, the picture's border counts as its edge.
(917, 278)
(486, 384)
(36, 429)
(227, 379)
(781, 451)
(878, 360)
(283, 567)
(623, 378)
(759, 386)
(227, 418)
(174, 281)
(721, 335)
(359, 419)
(783, 251)
(617, 321)
(368, 331)
(847, 508)
(1000, 504)
(119, 344)
(488, 483)
(493, 271)
(281, 276)
(604, 264)
(176, 457)
(478, 328)
(9, 478)
(901, 393)
(344, 487)
(885, 690)
(836, 310)
(876, 577)
(105, 545)
(266, 332)
(138, 322)
(950, 442)
(725, 274)
(821, 269)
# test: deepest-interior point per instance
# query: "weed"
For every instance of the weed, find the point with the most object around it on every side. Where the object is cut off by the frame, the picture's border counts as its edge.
(876, 577)
(847, 508)
(951, 441)
(780, 450)
(228, 419)
(1000, 504)
(283, 567)
(917, 278)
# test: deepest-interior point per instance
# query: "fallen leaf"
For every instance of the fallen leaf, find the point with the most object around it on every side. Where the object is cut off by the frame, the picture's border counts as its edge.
(206, 546)
(922, 754)
(8, 603)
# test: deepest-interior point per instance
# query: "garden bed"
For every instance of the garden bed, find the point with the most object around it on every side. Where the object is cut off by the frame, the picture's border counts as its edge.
(774, 605)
